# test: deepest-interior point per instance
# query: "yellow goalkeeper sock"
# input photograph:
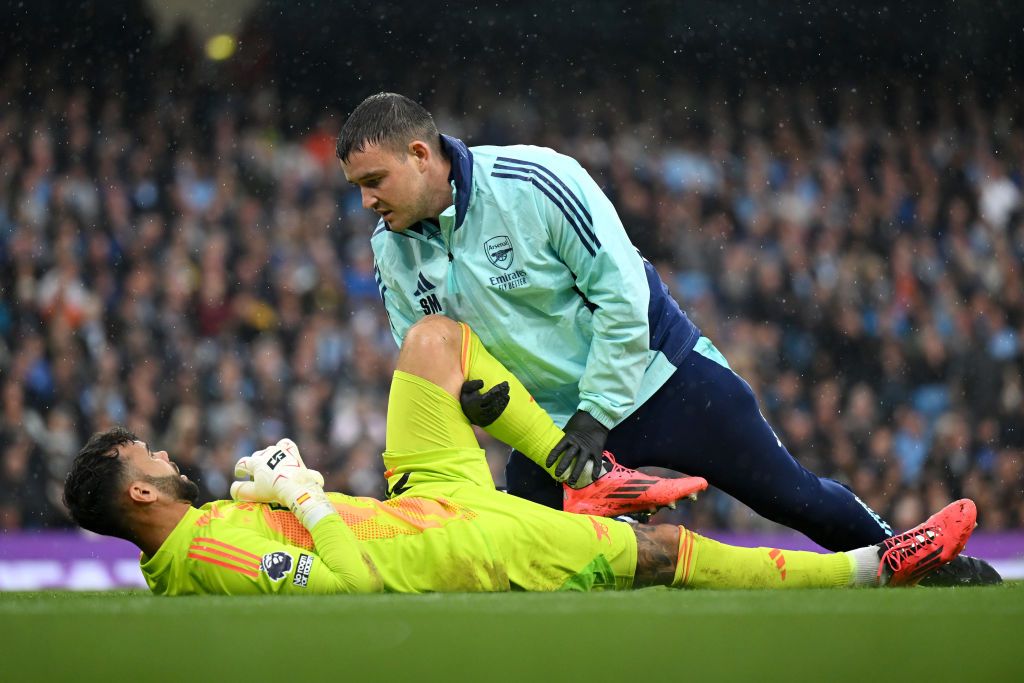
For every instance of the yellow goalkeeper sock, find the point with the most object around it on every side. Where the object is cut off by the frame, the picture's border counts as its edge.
(523, 424)
(705, 563)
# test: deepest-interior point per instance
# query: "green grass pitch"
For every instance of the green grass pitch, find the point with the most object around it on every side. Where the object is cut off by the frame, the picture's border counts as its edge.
(923, 634)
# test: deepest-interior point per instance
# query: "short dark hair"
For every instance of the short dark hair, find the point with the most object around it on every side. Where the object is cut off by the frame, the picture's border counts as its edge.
(92, 487)
(385, 118)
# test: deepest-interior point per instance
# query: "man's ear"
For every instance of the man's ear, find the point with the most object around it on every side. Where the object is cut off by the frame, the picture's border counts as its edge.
(142, 492)
(420, 152)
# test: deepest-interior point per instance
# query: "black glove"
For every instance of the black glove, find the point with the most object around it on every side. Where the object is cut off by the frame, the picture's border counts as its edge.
(583, 442)
(483, 409)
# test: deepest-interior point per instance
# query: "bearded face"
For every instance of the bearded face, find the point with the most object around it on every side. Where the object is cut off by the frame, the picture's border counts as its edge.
(178, 487)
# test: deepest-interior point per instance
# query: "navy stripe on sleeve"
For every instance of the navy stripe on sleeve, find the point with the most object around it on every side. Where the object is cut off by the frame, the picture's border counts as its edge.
(532, 179)
(585, 223)
(510, 160)
(380, 283)
(551, 179)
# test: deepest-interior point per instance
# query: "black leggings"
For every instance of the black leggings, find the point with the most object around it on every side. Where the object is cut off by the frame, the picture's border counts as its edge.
(705, 421)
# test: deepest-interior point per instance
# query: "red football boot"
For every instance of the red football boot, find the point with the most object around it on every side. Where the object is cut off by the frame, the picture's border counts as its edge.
(909, 556)
(624, 491)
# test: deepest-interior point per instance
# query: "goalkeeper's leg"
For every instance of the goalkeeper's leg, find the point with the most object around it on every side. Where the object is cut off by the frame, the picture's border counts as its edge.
(675, 556)
(702, 562)
(446, 353)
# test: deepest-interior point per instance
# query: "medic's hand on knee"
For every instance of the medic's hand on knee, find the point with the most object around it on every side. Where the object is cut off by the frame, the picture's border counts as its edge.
(583, 442)
(482, 409)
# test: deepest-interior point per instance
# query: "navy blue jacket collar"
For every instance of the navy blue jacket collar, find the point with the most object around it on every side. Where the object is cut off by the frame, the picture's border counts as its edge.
(462, 174)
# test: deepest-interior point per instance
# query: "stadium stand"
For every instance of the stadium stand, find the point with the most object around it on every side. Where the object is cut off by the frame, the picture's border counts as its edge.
(179, 253)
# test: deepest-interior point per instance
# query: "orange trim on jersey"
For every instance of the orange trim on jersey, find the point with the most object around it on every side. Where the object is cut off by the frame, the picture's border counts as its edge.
(286, 524)
(421, 513)
(465, 349)
(214, 541)
(195, 547)
(241, 570)
(206, 517)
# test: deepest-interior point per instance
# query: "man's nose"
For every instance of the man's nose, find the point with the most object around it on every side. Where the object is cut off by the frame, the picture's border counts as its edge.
(162, 455)
(369, 199)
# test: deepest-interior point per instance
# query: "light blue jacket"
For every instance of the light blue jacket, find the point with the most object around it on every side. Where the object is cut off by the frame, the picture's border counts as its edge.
(533, 257)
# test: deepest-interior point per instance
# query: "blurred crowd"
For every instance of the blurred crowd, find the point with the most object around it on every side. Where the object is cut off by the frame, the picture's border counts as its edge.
(184, 257)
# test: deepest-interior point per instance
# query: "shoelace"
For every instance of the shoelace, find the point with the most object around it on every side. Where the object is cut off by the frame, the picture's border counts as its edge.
(612, 466)
(902, 548)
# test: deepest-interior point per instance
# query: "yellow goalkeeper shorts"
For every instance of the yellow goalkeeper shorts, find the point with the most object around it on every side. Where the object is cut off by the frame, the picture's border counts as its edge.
(497, 541)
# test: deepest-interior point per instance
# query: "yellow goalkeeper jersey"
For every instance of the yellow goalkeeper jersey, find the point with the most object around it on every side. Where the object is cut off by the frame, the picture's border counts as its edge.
(445, 538)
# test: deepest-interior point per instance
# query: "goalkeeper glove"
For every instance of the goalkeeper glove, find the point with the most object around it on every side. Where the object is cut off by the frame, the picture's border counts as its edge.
(582, 445)
(278, 475)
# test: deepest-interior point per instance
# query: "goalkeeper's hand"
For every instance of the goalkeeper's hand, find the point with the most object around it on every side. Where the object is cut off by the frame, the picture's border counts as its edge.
(278, 475)
(261, 472)
(583, 448)
(482, 409)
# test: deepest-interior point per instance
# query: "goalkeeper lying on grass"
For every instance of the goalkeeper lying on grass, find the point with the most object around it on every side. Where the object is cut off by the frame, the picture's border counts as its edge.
(445, 527)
